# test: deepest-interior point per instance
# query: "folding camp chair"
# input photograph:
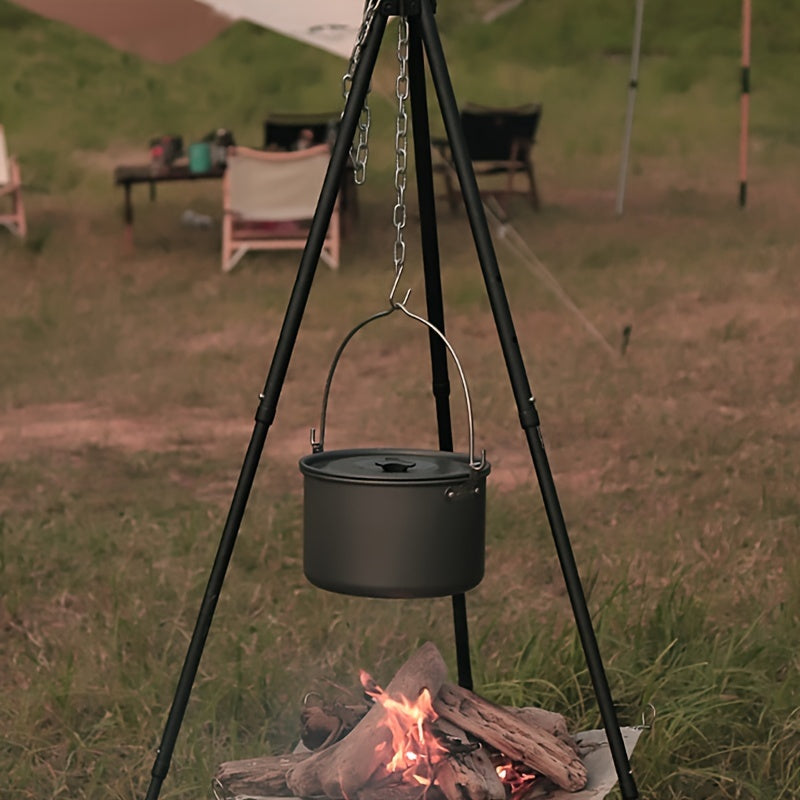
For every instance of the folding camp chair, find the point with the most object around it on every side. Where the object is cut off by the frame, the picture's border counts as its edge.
(500, 142)
(11, 186)
(294, 131)
(269, 199)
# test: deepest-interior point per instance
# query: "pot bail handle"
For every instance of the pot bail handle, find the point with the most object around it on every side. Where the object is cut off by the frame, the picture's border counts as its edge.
(318, 444)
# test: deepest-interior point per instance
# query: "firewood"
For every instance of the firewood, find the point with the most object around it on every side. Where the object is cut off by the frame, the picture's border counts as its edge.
(322, 725)
(467, 774)
(481, 762)
(399, 791)
(342, 769)
(507, 732)
(257, 777)
(549, 721)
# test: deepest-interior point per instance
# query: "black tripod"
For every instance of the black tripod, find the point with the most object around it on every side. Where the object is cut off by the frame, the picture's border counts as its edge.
(423, 35)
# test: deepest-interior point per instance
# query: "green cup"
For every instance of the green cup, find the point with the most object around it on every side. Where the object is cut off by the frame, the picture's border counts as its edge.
(199, 157)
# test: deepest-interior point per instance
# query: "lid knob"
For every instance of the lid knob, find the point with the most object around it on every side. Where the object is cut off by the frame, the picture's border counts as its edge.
(390, 464)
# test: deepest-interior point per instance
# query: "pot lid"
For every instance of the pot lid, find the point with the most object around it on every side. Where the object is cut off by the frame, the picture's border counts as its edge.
(391, 466)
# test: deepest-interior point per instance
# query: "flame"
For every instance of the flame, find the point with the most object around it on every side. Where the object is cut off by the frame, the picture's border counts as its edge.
(415, 751)
(516, 778)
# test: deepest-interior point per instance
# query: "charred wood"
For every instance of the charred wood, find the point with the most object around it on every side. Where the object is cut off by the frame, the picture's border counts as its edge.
(467, 774)
(506, 732)
(258, 777)
(324, 724)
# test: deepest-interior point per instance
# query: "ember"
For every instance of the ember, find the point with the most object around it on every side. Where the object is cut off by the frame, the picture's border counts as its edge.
(515, 777)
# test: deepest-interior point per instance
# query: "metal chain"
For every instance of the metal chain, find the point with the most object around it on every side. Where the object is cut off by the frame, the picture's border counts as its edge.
(401, 151)
(399, 215)
(360, 153)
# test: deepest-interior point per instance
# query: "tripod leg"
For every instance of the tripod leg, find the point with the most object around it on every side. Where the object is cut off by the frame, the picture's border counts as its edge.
(265, 413)
(433, 297)
(529, 417)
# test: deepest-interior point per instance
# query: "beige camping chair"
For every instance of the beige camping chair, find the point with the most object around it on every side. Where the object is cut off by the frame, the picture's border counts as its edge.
(11, 186)
(269, 199)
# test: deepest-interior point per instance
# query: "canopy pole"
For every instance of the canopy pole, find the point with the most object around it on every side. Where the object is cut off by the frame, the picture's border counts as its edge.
(632, 86)
(745, 103)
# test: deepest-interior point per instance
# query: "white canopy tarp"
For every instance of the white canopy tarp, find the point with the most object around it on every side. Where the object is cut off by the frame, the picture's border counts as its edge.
(166, 30)
(331, 25)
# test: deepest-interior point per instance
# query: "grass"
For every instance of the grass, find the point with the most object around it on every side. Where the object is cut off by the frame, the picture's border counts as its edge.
(130, 381)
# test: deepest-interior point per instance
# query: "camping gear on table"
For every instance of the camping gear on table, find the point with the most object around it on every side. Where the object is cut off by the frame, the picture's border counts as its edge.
(199, 157)
(219, 141)
(164, 150)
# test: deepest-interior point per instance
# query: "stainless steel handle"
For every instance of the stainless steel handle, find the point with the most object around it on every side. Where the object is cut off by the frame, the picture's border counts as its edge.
(318, 444)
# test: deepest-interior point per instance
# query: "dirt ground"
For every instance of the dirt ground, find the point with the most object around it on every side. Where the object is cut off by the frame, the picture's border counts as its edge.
(69, 427)
(72, 426)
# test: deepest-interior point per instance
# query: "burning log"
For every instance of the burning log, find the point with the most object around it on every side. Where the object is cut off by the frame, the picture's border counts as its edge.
(511, 735)
(342, 769)
(468, 773)
(322, 725)
(422, 738)
(548, 721)
(258, 777)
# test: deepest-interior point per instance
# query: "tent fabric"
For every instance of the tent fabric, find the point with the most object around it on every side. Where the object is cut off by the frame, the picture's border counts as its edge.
(166, 30)
(331, 25)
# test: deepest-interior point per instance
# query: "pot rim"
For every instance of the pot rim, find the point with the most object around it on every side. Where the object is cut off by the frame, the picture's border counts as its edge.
(365, 466)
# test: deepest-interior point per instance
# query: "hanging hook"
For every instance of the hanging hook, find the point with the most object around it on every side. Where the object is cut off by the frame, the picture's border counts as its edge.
(392, 302)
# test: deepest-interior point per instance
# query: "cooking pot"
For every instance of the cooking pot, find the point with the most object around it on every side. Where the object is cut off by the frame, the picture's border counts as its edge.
(388, 522)
(394, 523)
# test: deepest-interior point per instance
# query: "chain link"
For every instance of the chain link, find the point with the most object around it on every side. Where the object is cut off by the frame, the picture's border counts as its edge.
(360, 153)
(401, 147)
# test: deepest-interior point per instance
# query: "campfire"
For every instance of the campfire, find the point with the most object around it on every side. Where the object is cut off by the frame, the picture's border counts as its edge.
(419, 738)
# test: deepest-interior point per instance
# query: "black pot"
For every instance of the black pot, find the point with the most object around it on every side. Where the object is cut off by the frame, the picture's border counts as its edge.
(394, 523)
